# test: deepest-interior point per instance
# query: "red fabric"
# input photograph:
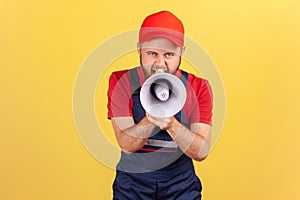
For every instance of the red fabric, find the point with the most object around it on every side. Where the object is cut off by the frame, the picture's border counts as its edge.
(197, 108)
(162, 24)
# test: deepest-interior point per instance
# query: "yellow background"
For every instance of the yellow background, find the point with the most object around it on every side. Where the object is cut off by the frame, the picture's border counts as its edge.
(255, 45)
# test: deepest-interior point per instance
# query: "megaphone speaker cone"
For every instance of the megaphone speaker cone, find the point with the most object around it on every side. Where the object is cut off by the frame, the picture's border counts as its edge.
(163, 103)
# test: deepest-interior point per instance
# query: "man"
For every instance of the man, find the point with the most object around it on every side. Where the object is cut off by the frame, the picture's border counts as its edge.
(157, 153)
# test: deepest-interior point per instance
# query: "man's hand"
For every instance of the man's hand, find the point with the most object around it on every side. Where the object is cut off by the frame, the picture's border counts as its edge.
(162, 123)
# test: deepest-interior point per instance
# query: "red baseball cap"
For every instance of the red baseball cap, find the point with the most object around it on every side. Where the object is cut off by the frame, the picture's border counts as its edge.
(162, 24)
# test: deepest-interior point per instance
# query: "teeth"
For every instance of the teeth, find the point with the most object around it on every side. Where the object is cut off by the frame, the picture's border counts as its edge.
(160, 70)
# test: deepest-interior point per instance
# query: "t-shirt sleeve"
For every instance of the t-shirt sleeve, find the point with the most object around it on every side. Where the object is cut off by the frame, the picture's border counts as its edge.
(203, 109)
(119, 98)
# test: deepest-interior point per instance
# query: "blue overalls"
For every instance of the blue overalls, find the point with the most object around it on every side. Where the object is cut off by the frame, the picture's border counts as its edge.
(159, 170)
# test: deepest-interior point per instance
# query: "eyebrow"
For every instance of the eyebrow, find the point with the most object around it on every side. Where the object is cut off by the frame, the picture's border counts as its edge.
(157, 50)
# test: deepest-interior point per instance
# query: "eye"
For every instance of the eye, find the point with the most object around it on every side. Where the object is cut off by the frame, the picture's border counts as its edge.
(151, 53)
(169, 55)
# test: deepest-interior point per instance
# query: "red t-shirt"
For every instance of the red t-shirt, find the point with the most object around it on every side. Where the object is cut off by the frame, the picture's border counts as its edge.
(197, 108)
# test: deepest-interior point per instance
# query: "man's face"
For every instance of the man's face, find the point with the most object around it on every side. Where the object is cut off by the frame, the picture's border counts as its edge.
(159, 53)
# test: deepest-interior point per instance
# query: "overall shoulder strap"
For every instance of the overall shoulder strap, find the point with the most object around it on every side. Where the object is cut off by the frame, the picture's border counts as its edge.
(134, 80)
(137, 109)
(184, 77)
(180, 115)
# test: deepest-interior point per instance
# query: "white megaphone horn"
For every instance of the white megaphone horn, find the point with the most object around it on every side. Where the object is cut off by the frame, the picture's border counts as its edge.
(163, 95)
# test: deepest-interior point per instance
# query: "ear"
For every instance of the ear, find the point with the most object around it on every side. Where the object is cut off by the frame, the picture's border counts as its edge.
(182, 50)
(139, 47)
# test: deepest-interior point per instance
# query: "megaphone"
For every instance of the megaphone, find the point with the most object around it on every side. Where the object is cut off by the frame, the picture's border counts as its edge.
(163, 95)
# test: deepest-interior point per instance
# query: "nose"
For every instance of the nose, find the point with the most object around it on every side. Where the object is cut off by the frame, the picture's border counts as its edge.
(161, 62)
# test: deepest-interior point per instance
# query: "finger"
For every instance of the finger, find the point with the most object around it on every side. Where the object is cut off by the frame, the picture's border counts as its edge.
(155, 118)
(168, 122)
(158, 123)
(150, 119)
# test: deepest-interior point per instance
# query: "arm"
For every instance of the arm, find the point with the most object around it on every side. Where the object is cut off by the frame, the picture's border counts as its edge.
(194, 142)
(130, 136)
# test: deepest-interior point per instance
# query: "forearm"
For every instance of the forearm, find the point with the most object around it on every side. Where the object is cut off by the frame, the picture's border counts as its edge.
(194, 145)
(133, 138)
